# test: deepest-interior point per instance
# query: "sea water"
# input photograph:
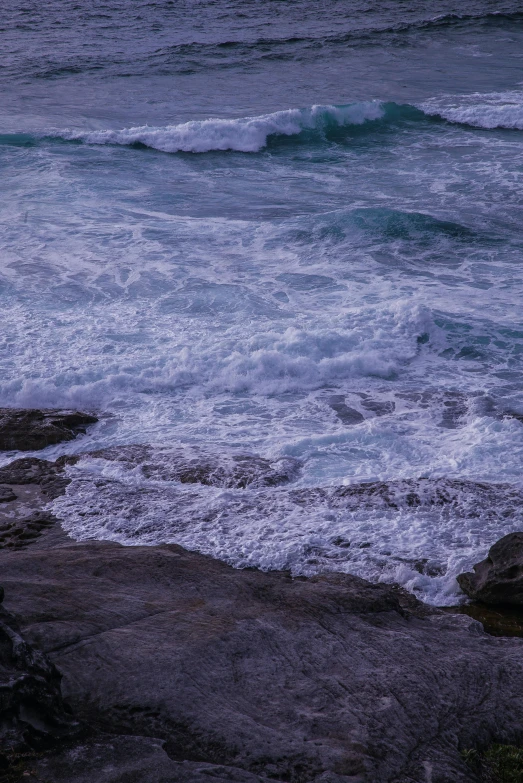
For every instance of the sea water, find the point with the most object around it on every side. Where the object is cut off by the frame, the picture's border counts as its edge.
(279, 230)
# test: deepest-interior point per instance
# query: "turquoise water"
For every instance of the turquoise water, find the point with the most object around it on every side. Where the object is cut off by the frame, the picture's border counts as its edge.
(277, 230)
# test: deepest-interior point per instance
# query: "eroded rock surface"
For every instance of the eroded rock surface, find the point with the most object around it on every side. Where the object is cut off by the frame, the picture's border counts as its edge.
(31, 429)
(132, 759)
(248, 676)
(26, 485)
(499, 578)
(32, 713)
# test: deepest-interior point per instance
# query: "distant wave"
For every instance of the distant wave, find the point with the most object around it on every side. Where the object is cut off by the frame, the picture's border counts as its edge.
(263, 43)
(198, 55)
(266, 46)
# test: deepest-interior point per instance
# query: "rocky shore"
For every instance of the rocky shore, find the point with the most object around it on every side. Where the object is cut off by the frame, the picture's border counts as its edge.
(155, 664)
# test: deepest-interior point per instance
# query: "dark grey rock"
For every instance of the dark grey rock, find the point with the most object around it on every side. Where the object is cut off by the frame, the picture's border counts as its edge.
(6, 494)
(27, 485)
(499, 578)
(32, 713)
(347, 415)
(455, 408)
(30, 429)
(247, 676)
(379, 407)
(132, 759)
(18, 533)
(49, 476)
(466, 498)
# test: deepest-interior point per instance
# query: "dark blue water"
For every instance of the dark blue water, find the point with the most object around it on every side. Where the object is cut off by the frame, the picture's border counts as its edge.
(274, 228)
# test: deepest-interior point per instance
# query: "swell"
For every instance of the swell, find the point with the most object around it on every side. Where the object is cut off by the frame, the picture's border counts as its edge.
(356, 35)
(192, 56)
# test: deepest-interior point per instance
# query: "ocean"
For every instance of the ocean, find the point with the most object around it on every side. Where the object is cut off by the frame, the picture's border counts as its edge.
(277, 248)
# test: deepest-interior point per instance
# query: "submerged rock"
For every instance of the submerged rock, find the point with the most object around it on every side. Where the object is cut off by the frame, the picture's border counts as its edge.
(48, 476)
(197, 466)
(31, 429)
(499, 578)
(497, 620)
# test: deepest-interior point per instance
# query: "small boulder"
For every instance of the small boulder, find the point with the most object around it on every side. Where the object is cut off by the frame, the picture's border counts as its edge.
(30, 429)
(499, 578)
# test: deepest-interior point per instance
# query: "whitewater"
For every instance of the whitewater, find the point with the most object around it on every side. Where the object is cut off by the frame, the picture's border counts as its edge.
(283, 258)
(251, 134)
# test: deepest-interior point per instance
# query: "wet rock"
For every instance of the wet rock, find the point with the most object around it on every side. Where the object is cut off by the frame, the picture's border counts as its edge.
(455, 408)
(350, 415)
(132, 759)
(31, 429)
(32, 712)
(347, 415)
(27, 485)
(466, 498)
(48, 476)
(498, 620)
(195, 466)
(379, 407)
(248, 676)
(6, 495)
(19, 533)
(499, 578)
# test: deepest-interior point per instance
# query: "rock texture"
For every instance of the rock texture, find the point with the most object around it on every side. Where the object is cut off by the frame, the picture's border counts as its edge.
(48, 476)
(177, 668)
(25, 486)
(499, 578)
(247, 676)
(31, 429)
(133, 759)
(32, 712)
(195, 466)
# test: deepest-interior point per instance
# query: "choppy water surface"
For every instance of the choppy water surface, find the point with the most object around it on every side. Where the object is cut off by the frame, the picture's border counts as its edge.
(281, 236)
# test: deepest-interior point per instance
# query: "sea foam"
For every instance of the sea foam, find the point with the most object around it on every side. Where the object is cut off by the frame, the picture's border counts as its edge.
(246, 134)
(420, 533)
(252, 134)
(489, 110)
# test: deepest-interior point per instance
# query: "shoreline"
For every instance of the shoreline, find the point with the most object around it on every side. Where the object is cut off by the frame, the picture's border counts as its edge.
(154, 662)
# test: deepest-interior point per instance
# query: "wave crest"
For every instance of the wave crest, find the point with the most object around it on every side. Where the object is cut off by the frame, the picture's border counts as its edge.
(246, 134)
(489, 111)
(252, 134)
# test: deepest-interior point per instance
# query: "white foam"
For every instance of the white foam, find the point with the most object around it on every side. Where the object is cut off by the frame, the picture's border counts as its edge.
(370, 342)
(490, 110)
(246, 134)
(305, 531)
(238, 321)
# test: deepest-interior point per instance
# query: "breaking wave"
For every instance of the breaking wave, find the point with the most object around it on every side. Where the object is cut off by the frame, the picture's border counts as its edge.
(489, 110)
(246, 134)
(252, 134)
